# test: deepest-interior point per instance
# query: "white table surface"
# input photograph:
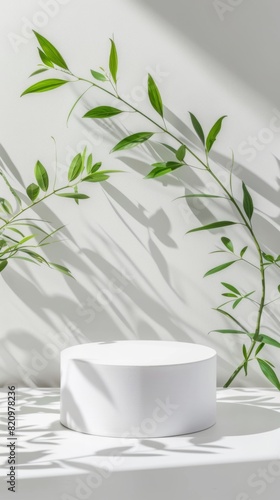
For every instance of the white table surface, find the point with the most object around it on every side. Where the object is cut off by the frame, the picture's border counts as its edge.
(237, 459)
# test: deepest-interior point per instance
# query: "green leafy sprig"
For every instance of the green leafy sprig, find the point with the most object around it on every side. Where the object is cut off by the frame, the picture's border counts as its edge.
(243, 214)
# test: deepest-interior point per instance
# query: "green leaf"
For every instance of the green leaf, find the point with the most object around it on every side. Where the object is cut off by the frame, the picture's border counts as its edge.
(98, 76)
(34, 255)
(173, 150)
(238, 332)
(213, 133)
(269, 372)
(113, 61)
(102, 112)
(247, 202)
(32, 191)
(6, 206)
(95, 167)
(3, 264)
(50, 51)
(98, 177)
(25, 239)
(235, 304)
(44, 86)
(268, 258)
(89, 163)
(228, 243)
(163, 169)
(154, 96)
(243, 251)
(228, 294)
(219, 268)
(75, 196)
(75, 168)
(60, 268)
(3, 243)
(45, 59)
(38, 71)
(278, 288)
(41, 176)
(228, 315)
(259, 348)
(197, 127)
(132, 140)
(265, 339)
(231, 288)
(76, 191)
(181, 153)
(214, 225)
(199, 196)
(244, 351)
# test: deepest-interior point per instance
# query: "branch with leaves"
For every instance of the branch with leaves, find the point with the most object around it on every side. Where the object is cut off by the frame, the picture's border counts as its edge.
(51, 60)
(18, 232)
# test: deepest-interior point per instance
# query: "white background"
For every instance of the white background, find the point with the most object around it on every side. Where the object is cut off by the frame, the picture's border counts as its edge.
(137, 275)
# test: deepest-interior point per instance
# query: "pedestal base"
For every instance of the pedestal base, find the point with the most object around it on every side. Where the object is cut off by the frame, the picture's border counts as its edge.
(138, 388)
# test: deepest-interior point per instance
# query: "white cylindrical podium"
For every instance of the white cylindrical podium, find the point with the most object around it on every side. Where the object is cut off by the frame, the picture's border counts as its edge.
(138, 388)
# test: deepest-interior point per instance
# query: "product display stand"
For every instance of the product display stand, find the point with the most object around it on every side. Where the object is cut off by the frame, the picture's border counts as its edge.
(138, 388)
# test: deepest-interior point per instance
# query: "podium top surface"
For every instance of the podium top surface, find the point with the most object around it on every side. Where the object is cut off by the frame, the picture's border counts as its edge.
(140, 353)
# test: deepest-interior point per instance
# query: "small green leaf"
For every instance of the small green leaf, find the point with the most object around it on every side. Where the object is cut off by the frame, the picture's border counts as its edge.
(95, 167)
(32, 191)
(269, 372)
(44, 86)
(89, 164)
(231, 288)
(278, 288)
(268, 258)
(98, 76)
(243, 251)
(228, 294)
(3, 243)
(75, 196)
(76, 191)
(228, 243)
(173, 150)
(75, 168)
(25, 239)
(154, 96)
(98, 177)
(244, 351)
(38, 71)
(181, 153)
(268, 340)
(6, 206)
(214, 225)
(163, 169)
(213, 133)
(259, 348)
(247, 202)
(41, 176)
(199, 196)
(132, 140)
(45, 59)
(197, 127)
(102, 112)
(219, 268)
(230, 331)
(228, 315)
(3, 264)
(60, 268)
(50, 51)
(235, 304)
(113, 61)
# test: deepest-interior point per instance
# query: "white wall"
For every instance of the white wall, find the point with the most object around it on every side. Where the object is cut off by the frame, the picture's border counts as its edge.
(137, 275)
